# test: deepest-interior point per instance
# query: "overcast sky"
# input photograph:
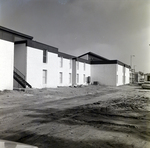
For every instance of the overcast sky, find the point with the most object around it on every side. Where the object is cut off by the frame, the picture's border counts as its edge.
(115, 29)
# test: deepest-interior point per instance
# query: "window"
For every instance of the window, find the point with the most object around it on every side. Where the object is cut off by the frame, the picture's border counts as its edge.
(44, 56)
(44, 76)
(84, 66)
(77, 78)
(77, 65)
(117, 79)
(83, 78)
(69, 77)
(61, 77)
(61, 61)
(70, 63)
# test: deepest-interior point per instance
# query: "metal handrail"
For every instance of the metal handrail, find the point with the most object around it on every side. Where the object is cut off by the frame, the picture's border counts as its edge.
(19, 73)
(20, 78)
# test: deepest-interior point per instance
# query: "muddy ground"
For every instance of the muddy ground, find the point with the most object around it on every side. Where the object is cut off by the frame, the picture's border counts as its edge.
(86, 117)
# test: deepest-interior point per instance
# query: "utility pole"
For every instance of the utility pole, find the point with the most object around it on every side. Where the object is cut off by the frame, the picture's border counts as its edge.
(131, 56)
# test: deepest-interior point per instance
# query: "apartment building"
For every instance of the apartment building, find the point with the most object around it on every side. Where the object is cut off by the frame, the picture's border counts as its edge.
(28, 63)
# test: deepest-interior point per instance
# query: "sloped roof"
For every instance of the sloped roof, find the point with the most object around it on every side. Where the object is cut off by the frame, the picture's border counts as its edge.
(94, 55)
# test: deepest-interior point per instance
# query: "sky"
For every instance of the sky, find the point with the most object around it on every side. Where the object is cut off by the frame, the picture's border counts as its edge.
(114, 29)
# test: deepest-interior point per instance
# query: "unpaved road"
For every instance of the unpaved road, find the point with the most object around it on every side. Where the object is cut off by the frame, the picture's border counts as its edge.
(87, 117)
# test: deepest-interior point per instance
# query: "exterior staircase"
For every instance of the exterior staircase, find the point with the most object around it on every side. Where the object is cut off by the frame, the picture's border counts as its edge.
(20, 78)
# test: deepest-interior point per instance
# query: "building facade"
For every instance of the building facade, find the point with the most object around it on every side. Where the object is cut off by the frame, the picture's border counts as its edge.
(28, 63)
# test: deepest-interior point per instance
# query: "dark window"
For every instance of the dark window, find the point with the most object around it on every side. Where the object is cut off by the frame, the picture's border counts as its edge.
(44, 56)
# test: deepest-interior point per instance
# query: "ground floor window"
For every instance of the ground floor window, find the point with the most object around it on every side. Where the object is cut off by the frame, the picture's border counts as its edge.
(83, 78)
(69, 77)
(60, 77)
(77, 78)
(117, 79)
(44, 76)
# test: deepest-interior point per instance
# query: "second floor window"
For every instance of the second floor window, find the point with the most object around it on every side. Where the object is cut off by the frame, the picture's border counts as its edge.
(44, 56)
(84, 66)
(70, 64)
(61, 61)
(77, 65)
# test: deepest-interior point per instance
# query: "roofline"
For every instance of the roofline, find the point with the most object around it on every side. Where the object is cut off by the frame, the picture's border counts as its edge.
(16, 33)
(64, 55)
(93, 54)
(110, 62)
(38, 45)
(81, 60)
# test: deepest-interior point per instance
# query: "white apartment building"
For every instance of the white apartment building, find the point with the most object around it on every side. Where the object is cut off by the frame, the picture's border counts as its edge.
(28, 63)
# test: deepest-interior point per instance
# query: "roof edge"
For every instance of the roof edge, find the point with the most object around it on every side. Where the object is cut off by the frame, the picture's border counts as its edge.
(16, 33)
(96, 55)
(110, 62)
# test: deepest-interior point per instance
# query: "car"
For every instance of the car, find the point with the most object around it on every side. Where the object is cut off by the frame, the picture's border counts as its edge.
(146, 85)
(141, 81)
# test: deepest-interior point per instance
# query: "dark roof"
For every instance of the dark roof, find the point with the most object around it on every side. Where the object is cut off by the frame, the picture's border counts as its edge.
(82, 60)
(93, 54)
(64, 55)
(38, 45)
(67, 56)
(16, 33)
(110, 62)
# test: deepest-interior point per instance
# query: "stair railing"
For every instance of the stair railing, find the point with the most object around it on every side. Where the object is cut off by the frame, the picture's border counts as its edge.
(19, 73)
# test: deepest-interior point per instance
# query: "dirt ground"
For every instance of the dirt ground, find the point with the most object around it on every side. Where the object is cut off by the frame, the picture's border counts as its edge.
(86, 117)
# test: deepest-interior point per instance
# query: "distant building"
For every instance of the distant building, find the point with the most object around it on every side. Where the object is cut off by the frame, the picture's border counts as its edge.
(28, 63)
(147, 77)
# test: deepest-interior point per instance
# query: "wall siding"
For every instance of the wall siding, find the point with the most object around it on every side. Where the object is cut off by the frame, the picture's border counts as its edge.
(104, 74)
(6, 65)
(127, 76)
(35, 67)
(65, 69)
(20, 58)
(81, 72)
(120, 74)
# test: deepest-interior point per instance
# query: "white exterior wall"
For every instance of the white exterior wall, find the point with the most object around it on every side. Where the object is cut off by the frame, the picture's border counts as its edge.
(6, 65)
(87, 71)
(65, 69)
(120, 74)
(81, 71)
(104, 74)
(127, 75)
(35, 67)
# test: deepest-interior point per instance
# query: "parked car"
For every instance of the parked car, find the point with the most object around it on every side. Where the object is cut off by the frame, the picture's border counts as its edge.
(146, 85)
(141, 81)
